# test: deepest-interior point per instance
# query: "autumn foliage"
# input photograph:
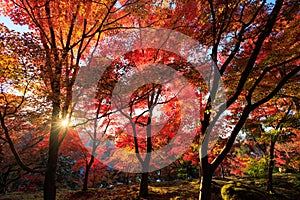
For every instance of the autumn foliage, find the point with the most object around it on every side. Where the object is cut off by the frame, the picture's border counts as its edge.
(58, 131)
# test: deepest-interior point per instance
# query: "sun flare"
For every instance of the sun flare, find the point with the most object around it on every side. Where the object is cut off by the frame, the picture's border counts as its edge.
(65, 123)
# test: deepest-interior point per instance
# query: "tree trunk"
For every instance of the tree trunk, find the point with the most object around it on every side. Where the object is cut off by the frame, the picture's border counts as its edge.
(50, 176)
(127, 178)
(144, 185)
(271, 167)
(205, 187)
(205, 180)
(223, 171)
(86, 175)
(3, 184)
(145, 164)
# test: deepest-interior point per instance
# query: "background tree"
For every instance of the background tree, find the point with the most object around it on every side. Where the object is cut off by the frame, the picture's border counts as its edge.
(22, 106)
(270, 124)
(141, 124)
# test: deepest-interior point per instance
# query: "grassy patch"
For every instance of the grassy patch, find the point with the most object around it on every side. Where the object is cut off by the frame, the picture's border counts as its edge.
(236, 190)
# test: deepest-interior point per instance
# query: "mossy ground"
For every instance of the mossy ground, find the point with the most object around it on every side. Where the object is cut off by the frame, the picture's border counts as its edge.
(287, 187)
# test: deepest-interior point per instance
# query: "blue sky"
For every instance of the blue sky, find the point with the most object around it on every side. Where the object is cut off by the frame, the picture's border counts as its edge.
(7, 22)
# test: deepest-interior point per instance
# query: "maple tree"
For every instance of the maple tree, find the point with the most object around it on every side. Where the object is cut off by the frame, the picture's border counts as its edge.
(91, 119)
(273, 122)
(90, 135)
(21, 87)
(244, 38)
(150, 98)
(138, 135)
(286, 152)
(66, 29)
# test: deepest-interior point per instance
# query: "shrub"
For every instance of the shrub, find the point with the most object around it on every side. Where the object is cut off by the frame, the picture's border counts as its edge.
(258, 168)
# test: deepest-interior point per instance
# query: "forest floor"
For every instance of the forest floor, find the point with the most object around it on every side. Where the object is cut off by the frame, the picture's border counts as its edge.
(287, 187)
